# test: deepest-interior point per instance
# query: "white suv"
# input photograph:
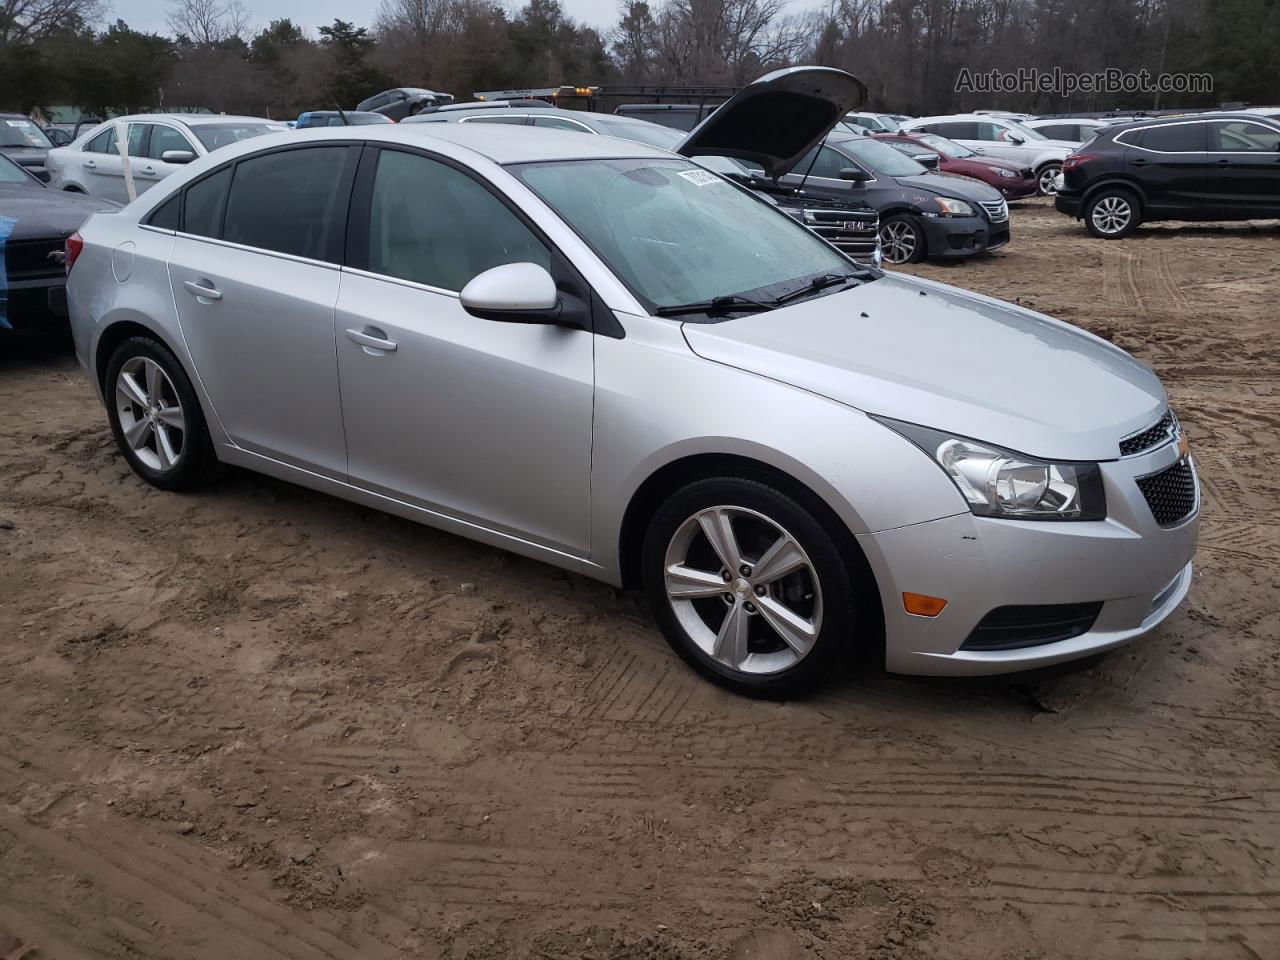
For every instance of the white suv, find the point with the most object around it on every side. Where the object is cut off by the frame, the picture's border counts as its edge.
(1004, 138)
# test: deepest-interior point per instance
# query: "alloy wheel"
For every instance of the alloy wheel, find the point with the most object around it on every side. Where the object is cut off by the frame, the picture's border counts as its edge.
(743, 589)
(1049, 181)
(898, 241)
(1111, 214)
(151, 416)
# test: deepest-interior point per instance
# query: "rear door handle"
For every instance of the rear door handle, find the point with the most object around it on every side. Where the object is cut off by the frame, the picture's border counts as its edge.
(203, 290)
(1224, 162)
(91, 164)
(372, 338)
(1139, 162)
(149, 171)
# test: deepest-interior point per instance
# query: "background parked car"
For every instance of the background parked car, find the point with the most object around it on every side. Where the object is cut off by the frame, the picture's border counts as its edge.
(34, 224)
(678, 116)
(872, 122)
(1069, 129)
(332, 118)
(23, 142)
(1013, 181)
(849, 225)
(58, 136)
(159, 144)
(400, 102)
(1216, 166)
(1004, 138)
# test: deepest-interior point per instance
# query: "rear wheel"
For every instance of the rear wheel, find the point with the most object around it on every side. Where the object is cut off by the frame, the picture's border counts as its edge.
(1047, 177)
(1112, 214)
(902, 239)
(748, 587)
(156, 418)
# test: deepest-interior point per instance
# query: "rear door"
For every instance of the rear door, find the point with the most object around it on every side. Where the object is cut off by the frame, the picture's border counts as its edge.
(1170, 162)
(101, 169)
(255, 276)
(1244, 160)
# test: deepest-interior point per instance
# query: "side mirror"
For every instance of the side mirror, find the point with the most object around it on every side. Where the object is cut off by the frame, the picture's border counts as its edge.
(855, 174)
(513, 293)
(177, 156)
(1016, 139)
(927, 160)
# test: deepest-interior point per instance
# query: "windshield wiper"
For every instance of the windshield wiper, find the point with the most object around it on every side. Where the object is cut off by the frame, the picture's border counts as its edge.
(726, 304)
(818, 283)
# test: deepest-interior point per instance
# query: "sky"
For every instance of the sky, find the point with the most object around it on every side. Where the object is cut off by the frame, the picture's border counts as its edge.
(149, 15)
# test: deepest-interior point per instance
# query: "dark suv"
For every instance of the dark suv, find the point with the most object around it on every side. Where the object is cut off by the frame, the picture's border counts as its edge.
(1217, 166)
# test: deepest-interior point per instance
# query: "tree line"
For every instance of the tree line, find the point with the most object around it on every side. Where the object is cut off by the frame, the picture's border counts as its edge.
(909, 52)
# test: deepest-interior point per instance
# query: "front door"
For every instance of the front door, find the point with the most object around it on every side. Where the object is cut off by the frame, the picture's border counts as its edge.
(482, 421)
(1172, 165)
(1245, 157)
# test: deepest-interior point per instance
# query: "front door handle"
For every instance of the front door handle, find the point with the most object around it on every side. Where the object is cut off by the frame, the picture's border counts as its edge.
(1224, 162)
(372, 339)
(91, 164)
(149, 171)
(203, 290)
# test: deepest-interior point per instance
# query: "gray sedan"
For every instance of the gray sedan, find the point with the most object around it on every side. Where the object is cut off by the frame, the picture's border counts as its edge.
(599, 355)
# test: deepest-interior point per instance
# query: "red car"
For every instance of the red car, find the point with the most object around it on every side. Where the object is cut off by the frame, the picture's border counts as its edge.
(1013, 181)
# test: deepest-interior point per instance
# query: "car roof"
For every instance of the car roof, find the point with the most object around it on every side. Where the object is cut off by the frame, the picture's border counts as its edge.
(961, 116)
(1186, 117)
(190, 119)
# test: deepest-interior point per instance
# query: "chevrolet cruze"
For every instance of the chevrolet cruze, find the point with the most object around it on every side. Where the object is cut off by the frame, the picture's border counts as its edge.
(597, 354)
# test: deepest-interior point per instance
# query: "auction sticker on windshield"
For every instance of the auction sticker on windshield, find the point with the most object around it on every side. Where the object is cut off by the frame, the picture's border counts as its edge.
(700, 178)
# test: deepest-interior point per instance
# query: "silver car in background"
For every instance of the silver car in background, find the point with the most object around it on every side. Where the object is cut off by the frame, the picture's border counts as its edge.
(602, 356)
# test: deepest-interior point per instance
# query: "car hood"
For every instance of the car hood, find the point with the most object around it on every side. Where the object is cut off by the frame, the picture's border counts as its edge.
(930, 354)
(40, 213)
(777, 119)
(951, 185)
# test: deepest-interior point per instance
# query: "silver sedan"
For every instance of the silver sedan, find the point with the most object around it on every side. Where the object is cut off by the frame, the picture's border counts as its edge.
(599, 355)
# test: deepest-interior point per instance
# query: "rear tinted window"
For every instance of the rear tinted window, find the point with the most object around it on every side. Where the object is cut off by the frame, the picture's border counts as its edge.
(294, 202)
(202, 213)
(1173, 138)
(168, 215)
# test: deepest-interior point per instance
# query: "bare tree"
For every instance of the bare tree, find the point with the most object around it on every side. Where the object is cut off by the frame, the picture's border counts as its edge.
(208, 23)
(24, 21)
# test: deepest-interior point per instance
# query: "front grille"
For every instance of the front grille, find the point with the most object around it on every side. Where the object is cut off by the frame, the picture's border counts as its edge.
(29, 259)
(1162, 430)
(1008, 628)
(997, 210)
(1171, 493)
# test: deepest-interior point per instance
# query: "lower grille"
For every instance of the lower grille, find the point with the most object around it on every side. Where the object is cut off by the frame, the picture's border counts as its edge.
(1171, 493)
(1008, 628)
(997, 210)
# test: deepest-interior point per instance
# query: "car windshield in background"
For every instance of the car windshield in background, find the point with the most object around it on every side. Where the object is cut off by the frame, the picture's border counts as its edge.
(215, 135)
(10, 172)
(1026, 131)
(640, 132)
(678, 234)
(22, 133)
(880, 157)
(948, 148)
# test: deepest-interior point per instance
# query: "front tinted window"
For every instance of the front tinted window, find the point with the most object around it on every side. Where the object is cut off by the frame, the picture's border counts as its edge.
(22, 133)
(827, 164)
(166, 138)
(202, 212)
(1172, 138)
(1244, 137)
(294, 202)
(676, 233)
(435, 225)
(959, 130)
(215, 135)
(880, 157)
(987, 131)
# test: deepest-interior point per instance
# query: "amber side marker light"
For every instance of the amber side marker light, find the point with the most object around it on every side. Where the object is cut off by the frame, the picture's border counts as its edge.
(921, 605)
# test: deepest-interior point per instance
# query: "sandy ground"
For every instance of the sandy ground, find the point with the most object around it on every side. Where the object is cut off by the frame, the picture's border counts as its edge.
(262, 723)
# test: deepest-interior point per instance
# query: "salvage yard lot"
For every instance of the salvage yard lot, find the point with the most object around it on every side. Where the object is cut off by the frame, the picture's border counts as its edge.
(259, 722)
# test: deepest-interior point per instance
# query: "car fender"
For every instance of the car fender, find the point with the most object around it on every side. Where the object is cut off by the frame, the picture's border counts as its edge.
(1052, 155)
(1112, 180)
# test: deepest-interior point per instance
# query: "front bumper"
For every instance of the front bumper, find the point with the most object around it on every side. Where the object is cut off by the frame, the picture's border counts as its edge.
(1139, 572)
(1018, 189)
(952, 237)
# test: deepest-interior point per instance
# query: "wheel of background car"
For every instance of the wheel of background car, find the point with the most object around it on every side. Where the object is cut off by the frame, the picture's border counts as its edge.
(901, 239)
(748, 587)
(156, 418)
(1112, 213)
(1048, 179)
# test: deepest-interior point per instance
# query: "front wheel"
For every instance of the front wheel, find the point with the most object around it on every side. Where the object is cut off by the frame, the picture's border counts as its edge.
(748, 587)
(1112, 214)
(1047, 185)
(902, 239)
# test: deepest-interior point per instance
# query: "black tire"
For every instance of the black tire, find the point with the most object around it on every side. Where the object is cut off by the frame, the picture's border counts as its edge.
(196, 464)
(1101, 209)
(838, 625)
(889, 239)
(1046, 172)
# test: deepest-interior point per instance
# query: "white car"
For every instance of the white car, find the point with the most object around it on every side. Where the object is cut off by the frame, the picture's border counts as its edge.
(1075, 130)
(1004, 138)
(158, 144)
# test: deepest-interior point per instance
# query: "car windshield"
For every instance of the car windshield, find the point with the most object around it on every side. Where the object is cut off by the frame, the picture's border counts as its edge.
(948, 148)
(880, 157)
(215, 135)
(20, 132)
(678, 234)
(640, 131)
(10, 172)
(1026, 131)
(888, 122)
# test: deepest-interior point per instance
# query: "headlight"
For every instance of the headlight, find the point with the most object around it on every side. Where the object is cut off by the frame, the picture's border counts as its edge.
(952, 207)
(1004, 173)
(1000, 483)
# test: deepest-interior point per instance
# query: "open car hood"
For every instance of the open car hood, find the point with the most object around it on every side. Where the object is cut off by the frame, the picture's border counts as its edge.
(776, 120)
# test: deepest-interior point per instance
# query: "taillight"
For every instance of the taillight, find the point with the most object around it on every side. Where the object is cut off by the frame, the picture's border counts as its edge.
(1076, 160)
(72, 248)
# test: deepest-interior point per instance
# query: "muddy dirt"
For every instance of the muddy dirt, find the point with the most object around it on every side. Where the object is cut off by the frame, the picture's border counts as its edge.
(262, 723)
